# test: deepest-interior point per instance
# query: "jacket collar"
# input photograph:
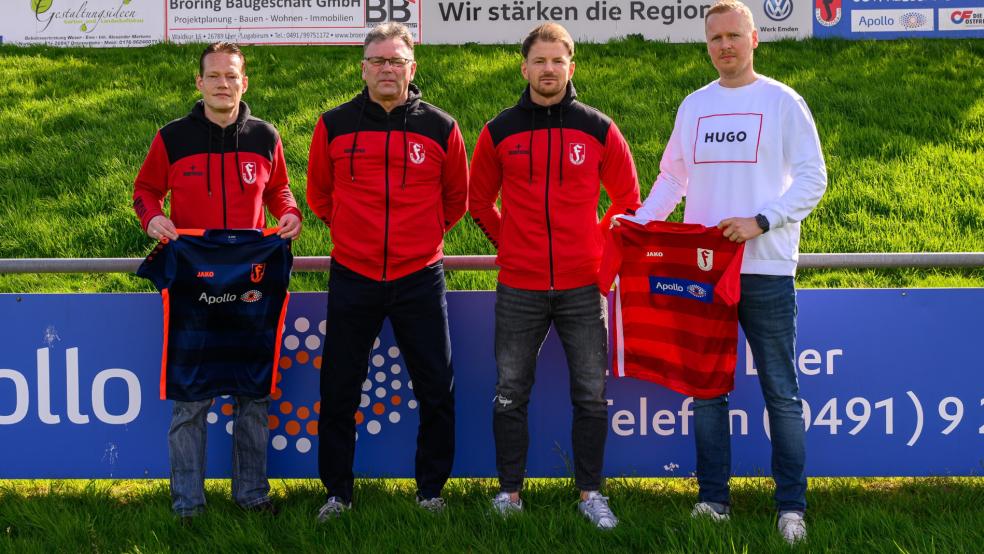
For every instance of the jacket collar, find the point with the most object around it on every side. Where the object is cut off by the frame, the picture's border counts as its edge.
(374, 110)
(526, 101)
(198, 114)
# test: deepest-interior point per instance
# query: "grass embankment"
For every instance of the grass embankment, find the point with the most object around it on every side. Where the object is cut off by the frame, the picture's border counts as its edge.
(846, 515)
(902, 124)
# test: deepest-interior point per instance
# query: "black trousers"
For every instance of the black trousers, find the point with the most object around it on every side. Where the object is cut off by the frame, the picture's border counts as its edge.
(416, 306)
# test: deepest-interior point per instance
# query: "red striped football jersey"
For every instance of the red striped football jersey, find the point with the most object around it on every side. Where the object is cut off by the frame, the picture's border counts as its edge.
(675, 316)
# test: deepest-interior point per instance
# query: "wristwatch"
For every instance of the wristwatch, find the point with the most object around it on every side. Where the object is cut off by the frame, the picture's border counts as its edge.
(763, 222)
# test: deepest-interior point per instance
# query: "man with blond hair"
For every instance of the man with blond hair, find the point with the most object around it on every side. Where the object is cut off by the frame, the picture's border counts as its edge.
(745, 152)
(547, 156)
(388, 174)
(221, 166)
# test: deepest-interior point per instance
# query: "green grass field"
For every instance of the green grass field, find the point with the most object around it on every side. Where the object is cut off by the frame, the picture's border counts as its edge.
(902, 124)
(846, 515)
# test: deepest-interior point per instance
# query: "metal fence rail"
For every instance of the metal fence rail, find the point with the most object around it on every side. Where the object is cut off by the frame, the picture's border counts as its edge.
(487, 263)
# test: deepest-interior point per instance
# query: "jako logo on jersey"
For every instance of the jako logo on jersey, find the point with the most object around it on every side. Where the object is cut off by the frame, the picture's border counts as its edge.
(729, 136)
(206, 274)
(697, 291)
(654, 254)
(828, 12)
(249, 172)
(250, 296)
(256, 275)
(778, 10)
(209, 299)
(577, 153)
(705, 259)
(417, 153)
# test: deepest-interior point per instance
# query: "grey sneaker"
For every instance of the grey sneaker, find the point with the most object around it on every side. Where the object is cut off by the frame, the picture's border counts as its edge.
(596, 509)
(706, 509)
(504, 505)
(792, 527)
(333, 508)
(434, 505)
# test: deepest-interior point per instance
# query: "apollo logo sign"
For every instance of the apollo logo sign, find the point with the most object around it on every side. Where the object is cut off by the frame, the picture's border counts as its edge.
(74, 411)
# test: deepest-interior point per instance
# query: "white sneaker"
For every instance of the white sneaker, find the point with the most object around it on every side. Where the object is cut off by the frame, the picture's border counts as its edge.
(792, 527)
(504, 505)
(333, 508)
(703, 509)
(434, 505)
(596, 509)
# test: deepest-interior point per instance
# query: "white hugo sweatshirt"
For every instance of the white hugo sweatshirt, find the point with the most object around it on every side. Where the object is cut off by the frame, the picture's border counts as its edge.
(738, 152)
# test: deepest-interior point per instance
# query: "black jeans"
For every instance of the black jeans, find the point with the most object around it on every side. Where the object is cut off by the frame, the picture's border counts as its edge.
(418, 310)
(522, 320)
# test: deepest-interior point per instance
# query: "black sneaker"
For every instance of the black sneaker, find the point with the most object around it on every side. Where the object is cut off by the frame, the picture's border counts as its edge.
(266, 508)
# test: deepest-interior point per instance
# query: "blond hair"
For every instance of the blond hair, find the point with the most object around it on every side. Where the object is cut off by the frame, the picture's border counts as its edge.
(724, 6)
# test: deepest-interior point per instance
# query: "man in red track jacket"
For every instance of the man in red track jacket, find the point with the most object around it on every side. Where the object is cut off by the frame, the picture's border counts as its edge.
(388, 174)
(546, 156)
(221, 166)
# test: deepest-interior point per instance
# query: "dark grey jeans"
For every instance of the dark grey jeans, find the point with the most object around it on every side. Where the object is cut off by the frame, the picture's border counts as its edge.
(522, 320)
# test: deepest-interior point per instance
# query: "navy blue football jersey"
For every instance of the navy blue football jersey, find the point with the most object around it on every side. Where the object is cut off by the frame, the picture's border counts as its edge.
(225, 298)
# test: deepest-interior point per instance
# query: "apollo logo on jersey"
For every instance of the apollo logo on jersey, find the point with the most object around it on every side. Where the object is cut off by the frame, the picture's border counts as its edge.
(684, 288)
(220, 299)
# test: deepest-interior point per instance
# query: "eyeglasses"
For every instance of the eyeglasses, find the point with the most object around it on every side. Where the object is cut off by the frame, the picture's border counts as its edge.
(379, 61)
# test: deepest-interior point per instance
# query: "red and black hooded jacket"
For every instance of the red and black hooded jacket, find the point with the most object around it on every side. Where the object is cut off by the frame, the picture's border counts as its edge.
(389, 185)
(218, 178)
(547, 162)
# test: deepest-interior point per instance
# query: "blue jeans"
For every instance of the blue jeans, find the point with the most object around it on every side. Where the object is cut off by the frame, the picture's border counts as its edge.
(186, 451)
(767, 313)
(522, 320)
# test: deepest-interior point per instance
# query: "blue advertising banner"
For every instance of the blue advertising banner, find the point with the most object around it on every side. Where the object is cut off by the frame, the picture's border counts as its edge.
(894, 19)
(891, 380)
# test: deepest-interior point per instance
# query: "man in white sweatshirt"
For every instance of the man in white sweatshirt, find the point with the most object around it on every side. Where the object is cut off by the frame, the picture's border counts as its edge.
(745, 152)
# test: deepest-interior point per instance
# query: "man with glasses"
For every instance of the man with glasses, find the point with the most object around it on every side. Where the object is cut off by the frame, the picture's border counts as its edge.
(388, 174)
(546, 156)
(745, 153)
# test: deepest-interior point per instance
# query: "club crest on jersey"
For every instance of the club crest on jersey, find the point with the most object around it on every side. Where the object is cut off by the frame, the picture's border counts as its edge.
(256, 274)
(416, 152)
(705, 259)
(248, 170)
(577, 153)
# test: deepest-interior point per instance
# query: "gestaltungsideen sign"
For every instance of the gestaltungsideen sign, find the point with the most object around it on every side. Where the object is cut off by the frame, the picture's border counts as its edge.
(96, 23)
(891, 384)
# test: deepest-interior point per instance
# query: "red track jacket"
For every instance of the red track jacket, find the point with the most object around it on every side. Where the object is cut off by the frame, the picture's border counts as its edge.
(389, 185)
(218, 178)
(548, 162)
